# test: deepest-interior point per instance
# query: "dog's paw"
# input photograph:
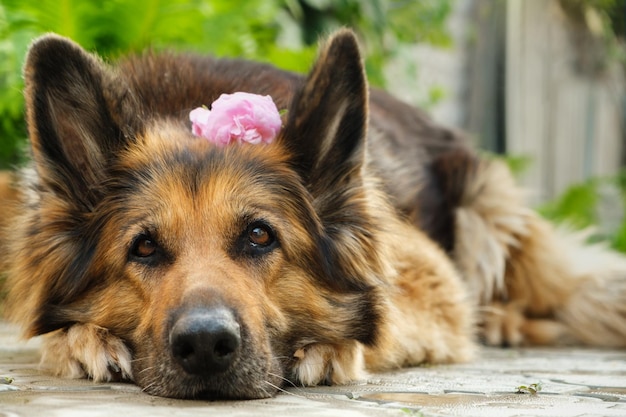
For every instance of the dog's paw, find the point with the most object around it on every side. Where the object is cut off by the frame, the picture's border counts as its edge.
(501, 325)
(86, 350)
(507, 325)
(329, 364)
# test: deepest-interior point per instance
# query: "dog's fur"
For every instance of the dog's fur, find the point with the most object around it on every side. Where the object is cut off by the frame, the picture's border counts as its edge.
(385, 240)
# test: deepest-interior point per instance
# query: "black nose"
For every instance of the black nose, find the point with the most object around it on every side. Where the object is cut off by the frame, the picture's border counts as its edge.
(205, 341)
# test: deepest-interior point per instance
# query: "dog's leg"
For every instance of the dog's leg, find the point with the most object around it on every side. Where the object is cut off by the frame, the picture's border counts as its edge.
(429, 318)
(537, 284)
(86, 350)
(321, 363)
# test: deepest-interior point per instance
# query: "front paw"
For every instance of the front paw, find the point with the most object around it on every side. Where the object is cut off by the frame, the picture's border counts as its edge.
(86, 350)
(329, 364)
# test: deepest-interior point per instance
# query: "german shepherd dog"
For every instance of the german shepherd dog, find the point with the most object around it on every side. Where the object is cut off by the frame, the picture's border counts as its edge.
(364, 238)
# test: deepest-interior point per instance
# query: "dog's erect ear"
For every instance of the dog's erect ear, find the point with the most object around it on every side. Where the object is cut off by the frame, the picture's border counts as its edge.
(327, 121)
(325, 133)
(73, 103)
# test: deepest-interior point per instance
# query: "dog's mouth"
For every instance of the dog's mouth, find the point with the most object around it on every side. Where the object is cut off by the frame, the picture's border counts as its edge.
(208, 354)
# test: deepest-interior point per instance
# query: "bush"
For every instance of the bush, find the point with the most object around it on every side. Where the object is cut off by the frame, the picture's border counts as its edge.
(284, 32)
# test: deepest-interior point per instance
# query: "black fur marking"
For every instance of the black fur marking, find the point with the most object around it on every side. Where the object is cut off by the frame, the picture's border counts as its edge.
(435, 212)
(442, 193)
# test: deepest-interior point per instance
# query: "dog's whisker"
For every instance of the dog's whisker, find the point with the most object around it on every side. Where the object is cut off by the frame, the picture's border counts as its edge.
(284, 391)
(150, 368)
(283, 357)
(146, 387)
(283, 378)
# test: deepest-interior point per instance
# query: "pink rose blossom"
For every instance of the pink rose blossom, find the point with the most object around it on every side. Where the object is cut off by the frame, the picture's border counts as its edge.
(239, 117)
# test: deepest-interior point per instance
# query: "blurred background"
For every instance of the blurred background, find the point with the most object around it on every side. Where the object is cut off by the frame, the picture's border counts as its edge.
(540, 83)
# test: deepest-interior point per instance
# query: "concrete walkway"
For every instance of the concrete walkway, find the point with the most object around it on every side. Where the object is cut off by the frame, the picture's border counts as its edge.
(575, 382)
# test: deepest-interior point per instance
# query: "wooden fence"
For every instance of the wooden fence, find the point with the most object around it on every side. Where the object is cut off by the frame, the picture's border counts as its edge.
(564, 98)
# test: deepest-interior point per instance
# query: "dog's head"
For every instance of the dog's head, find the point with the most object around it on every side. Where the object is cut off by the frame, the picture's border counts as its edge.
(214, 264)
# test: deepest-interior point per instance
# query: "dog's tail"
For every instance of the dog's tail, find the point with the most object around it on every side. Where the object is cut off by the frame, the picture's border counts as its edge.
(537, 283)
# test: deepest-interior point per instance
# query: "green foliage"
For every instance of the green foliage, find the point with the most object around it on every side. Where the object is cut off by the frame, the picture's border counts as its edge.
(606, 20)
(412, 412)
(12, 131)
(576, 207)
(383, 25)
(284, 32)
(619, 238)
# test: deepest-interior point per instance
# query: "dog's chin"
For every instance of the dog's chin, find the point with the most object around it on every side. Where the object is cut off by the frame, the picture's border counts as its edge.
(197, 389)
(251, 378)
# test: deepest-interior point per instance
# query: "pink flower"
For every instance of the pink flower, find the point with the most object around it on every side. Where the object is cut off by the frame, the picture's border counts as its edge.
(239, 117)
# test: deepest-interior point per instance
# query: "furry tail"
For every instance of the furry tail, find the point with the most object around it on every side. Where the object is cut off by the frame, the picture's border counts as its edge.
(537, 284)
(596, 309)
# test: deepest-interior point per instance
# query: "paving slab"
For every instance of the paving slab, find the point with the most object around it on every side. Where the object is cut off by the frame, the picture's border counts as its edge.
(574, 383)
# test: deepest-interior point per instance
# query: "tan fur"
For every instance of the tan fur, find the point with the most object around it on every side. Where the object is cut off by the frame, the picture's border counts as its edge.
(423, 288)
(9, 196)
(8, 201)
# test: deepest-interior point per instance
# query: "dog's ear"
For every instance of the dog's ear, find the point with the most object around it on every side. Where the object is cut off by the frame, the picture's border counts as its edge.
(327, 120)
(326, 133)
(73, 103)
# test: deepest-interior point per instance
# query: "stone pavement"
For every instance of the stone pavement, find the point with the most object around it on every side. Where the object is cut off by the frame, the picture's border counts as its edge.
(575, 382)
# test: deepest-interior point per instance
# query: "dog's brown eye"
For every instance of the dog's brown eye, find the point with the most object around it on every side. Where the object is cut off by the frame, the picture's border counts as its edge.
(144, 247)
(258, 239)
(148, 251)
(260, 235)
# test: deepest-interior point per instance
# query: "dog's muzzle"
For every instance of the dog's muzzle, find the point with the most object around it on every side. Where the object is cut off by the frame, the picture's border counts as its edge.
(205, 341)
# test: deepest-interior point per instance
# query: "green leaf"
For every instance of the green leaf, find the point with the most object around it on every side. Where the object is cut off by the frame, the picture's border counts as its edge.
(532, 389)
(576, 206)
